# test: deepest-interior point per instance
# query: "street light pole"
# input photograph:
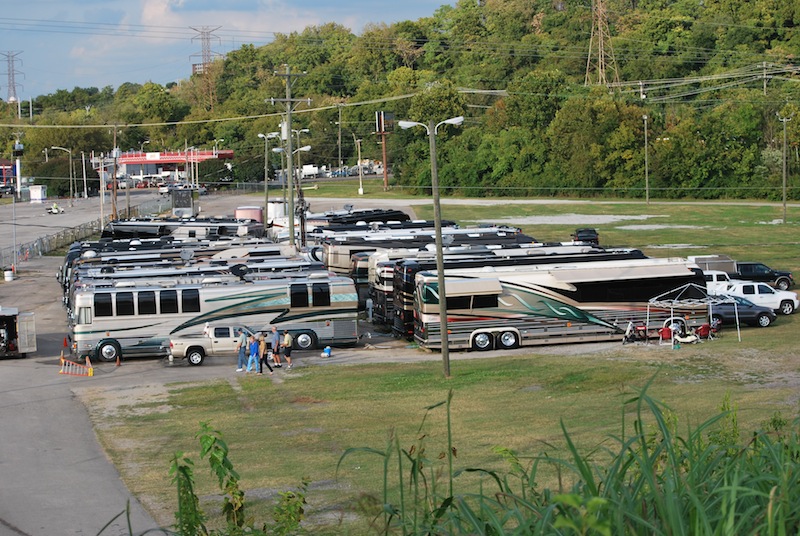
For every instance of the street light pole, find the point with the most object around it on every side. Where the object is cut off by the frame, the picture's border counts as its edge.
(360, 169)
(71, 177)
(299, 169)
(432, 129)
(646, 164)
(784, 120)
(266, 138)
(83, 167)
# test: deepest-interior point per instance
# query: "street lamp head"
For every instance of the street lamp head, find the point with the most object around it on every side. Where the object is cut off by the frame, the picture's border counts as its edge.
(454, 120)
(408, 124)
(304, 148)
(277, 150)
(262, 136)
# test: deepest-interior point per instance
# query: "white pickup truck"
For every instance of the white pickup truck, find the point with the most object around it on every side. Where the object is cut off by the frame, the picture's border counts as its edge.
(217, 340)
(716, 281)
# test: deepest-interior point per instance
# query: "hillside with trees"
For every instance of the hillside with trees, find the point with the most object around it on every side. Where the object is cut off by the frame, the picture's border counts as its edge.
(713, 77)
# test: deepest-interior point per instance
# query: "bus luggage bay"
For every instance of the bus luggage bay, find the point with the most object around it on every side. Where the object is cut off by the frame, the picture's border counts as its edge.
(508, 307)
(127, 319)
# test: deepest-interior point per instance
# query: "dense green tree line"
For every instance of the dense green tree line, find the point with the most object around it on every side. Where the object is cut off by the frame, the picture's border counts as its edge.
(713, 78)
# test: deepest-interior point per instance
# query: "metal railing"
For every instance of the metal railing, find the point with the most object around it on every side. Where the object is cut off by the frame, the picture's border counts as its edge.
(52, 242)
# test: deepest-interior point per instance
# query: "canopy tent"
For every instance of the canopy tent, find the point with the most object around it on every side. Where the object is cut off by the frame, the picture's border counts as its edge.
(692, 295)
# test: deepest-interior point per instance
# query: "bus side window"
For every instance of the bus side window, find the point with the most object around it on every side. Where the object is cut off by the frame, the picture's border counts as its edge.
(298, 295)
(124, 303)
(458, 302)
(190, 300)
(147, 302)
(484, 301)
(169, 301)
(102, 305)
(320, 294)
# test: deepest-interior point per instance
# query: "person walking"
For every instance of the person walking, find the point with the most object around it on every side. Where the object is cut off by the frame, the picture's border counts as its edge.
(263, 354)
(275, 340)
(287, 348)
(241, 348)
(253, 349)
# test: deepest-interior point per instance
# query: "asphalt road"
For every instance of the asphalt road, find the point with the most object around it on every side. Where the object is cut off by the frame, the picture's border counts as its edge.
(55, 477)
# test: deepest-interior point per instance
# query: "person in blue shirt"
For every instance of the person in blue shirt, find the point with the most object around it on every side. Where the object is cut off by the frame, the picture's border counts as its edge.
(252, 362)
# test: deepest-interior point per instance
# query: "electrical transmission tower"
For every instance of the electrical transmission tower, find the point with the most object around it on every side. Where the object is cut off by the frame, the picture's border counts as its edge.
(207, 57)
(11, 59)
(601, 54)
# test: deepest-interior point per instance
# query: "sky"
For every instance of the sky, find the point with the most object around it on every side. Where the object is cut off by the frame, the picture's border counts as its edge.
(62, 44)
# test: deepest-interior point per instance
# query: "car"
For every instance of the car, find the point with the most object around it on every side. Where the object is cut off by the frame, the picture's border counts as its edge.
(6, 189)
(749, 313)
(783, 301)
(586, 234)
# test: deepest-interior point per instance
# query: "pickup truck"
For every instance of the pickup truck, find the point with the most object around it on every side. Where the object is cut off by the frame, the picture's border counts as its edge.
(756, 271)
(749, 271)
(716, 280)
(216, 340)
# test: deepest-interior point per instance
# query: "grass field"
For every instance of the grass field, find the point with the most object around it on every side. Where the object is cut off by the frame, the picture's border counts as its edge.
(282, 431)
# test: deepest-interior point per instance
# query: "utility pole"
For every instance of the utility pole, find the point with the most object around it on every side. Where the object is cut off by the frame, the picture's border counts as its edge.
(380, 124)
(286, 134)
(646, 164)
(340, 135)
(114, 177)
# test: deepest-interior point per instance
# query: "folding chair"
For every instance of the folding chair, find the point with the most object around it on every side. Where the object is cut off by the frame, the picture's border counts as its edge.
(665, 335)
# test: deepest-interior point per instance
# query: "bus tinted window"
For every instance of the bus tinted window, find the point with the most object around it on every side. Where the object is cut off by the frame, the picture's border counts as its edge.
(190, 299)
(298, 295)
(124, 303)
(320, 294)
(458, 302)
(482, 301)
(147, 302)
(102, 305)
(169, 301)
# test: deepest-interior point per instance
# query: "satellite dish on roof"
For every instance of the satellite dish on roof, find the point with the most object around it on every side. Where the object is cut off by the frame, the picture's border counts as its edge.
(187, 254)
(240, 270)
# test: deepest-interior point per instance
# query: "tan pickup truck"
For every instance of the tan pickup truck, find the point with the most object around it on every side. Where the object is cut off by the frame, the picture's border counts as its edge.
(216, 340)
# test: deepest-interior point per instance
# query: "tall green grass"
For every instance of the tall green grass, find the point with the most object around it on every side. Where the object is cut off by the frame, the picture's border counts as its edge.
(648, 479)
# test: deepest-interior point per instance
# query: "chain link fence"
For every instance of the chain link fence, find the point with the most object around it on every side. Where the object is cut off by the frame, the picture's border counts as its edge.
(49, 243)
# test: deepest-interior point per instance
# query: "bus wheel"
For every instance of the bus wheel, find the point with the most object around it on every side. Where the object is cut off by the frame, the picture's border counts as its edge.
(305, 341)
(482, 341)
(109, 351)
(508, 340)
(195, 356)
